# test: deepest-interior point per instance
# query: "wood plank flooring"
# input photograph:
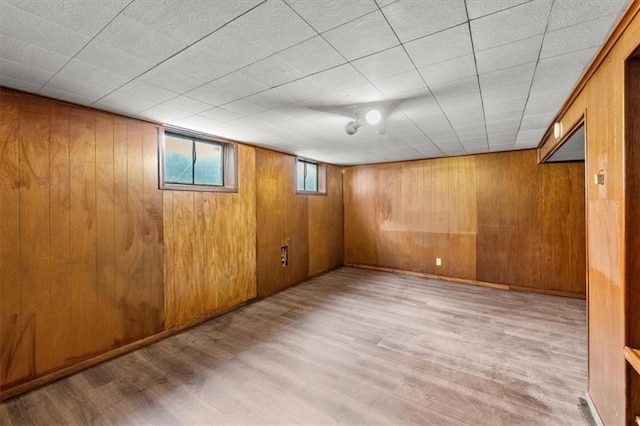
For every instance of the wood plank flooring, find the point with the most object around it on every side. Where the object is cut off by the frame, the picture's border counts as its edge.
(350, 347)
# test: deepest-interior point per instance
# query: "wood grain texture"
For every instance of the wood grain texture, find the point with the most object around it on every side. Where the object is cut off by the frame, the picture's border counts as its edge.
(349, 347)
(210, 247)
(497, 218)
(326, 225)
(310, 225)
(71, 189)
(531, 222)
(632, 227)
(271, 213)
(600, 96)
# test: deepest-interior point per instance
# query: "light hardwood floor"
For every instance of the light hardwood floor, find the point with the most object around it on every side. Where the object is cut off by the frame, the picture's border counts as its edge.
(350, 347)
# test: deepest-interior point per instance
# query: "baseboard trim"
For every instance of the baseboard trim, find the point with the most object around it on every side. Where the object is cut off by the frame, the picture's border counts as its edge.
(507, 287)
(61, 373)
(589, 411)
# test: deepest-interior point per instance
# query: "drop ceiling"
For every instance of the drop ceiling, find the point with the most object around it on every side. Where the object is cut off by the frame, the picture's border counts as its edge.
(457, 76)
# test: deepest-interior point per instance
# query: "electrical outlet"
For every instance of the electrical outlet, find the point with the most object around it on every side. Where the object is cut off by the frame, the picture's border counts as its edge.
(438, 261)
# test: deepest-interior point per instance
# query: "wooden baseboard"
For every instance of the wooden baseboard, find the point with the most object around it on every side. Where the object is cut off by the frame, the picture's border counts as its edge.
(471, 282)
(595, 417)
(45, 379)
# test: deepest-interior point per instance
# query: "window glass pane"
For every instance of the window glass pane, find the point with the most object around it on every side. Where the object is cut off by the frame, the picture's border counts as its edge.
(311, 181)
(208, 166)
(300, 176)
(178, 159)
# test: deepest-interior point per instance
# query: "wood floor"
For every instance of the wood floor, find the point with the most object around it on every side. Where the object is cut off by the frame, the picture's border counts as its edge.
(350, 347)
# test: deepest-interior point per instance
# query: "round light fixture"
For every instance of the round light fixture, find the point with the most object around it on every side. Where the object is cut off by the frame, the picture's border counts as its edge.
(373, 117)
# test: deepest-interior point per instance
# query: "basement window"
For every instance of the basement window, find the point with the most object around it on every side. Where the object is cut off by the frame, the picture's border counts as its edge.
(193, 163)
(311, 177)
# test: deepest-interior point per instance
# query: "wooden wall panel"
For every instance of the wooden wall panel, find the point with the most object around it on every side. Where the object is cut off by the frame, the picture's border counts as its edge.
(271, 215)
(311, 225)
(632, 167)
(326, 227)
(15, 352)
(210, 247)
(498, 218)
(600, 96)
(74, 198)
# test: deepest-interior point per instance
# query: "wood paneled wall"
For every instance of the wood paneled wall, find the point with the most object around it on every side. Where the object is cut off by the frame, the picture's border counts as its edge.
(80, 238)
(611, 255)
(210, 247)
(310, 225)
(95, 259)
(498, 218)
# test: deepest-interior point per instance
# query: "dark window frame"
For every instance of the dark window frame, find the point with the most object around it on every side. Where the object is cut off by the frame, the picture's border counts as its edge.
(321, 184)
(228, 160)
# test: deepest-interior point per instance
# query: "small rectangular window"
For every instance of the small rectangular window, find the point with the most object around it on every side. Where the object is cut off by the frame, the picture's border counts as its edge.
(310, 177)
(194, 163)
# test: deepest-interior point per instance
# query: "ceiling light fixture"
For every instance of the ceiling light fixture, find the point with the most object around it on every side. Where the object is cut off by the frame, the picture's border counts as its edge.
(373, 117)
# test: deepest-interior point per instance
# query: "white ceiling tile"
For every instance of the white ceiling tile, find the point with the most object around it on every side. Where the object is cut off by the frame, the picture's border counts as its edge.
(521, 74)
(19, 84)
(501, 94)
(570, 12)
(113, 59)
(559, 82)
(64, 95)
(363, 93)
(443, 46)
(244, 107)
(270, 99)
(303, 89)
(384, 64)
(187, 22)
(23, 26)
(332, 13)
(221, 114)
(447, 71)
(73, 85)
(147, 91)
(271, 72)
(211, 95)
(412, 19)
(500, 127)
(311, 56)
(128, 35)
(20, 71)
(576, 37)
(30, 55)
(232, 48)
(187, 104)
(202, 124)
(502, 141)
(90, 74)
(509, 55)
(570, 63)
(478, 8)
(364, 36)
(537, 121)
(239, 84)
(197, 65)
(466, 87)
(339, 78)
(398, 84)
(419, 106)
(164, 77)
(517, 23)
(434, 123)
(274, 26)
(163, 114)
(83, 17)
(122, 103)
(529, 138)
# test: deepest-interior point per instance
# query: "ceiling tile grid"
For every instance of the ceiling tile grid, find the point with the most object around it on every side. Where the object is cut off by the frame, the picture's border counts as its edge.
(451, 77)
